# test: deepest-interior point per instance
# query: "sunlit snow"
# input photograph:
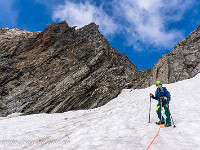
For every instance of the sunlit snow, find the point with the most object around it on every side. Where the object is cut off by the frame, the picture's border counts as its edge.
(122, 124)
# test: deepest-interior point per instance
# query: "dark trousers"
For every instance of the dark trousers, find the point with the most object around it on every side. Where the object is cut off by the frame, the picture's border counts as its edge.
(167, 112)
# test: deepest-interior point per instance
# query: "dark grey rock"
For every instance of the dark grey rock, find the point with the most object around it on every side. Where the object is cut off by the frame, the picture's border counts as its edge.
(62, 69)
(182, 62)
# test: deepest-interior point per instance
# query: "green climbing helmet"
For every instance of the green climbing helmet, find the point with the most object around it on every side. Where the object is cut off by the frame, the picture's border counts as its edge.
(158, 83)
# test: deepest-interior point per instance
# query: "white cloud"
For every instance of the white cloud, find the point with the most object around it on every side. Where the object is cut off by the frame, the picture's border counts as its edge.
(81, 14)
(148, 20)
(144, 23)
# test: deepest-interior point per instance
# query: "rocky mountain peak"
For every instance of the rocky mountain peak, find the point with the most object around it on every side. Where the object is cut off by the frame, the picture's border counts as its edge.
(90, 27)
(63, 68)
(182, 62)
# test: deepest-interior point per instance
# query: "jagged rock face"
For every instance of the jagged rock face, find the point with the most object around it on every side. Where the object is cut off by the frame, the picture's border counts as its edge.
(11, 41)
(182, 62)
(184, 59)
(60, 69)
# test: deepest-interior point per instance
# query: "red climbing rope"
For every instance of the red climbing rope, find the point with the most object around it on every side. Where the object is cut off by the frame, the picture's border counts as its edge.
(159, 128)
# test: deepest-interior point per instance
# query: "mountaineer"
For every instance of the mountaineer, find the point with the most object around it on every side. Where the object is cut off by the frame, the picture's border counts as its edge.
(163, 95)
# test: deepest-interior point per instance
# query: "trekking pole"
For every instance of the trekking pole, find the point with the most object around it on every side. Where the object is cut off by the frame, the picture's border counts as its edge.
(172, 120)
(150, 109)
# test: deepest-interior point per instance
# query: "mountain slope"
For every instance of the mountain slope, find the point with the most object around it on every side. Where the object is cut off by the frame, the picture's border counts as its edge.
(60, 69)
(120, 124)
(182, 62)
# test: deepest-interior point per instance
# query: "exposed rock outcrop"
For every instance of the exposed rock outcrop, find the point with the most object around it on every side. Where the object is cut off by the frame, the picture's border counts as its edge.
(62, 69)
(182, 62)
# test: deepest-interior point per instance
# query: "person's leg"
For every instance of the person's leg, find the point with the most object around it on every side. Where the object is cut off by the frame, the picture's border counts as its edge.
(167, 113)
(158, 110)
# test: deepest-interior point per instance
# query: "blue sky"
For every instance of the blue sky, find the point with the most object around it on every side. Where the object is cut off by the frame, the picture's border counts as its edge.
(143, 29)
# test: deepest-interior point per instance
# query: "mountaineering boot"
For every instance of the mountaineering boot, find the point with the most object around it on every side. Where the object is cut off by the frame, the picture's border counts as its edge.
(158, 123)
(168, 124)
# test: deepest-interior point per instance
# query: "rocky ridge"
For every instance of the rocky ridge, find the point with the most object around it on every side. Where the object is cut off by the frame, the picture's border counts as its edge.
(62, 69)
(182, 62)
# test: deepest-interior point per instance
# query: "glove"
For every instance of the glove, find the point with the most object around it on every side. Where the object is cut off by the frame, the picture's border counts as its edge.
(151, 95)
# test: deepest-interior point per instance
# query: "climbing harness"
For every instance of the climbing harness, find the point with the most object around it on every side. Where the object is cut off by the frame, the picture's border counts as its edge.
(159, 127)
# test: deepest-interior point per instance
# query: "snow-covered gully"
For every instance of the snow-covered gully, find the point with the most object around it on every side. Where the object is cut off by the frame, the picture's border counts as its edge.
(122, 124)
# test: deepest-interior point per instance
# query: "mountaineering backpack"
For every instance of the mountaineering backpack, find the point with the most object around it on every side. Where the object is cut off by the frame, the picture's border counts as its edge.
(169, 95)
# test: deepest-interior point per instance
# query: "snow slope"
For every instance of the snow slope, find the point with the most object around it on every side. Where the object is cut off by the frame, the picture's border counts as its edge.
(122, 124)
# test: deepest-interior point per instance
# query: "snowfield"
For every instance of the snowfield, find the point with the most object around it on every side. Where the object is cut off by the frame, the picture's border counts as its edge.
(122, 124)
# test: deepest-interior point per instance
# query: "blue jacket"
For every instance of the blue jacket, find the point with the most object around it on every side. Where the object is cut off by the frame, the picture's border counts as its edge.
(161, 93)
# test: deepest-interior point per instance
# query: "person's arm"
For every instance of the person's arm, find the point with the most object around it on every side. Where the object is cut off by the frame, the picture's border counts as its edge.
(154, 97)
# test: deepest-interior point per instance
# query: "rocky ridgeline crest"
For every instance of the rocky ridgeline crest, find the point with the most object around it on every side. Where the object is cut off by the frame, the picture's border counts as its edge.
(6, 33)
(62, 69)
(182, 62)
